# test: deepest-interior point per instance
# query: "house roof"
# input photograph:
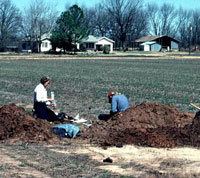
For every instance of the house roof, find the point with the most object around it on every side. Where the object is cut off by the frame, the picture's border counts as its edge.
(152, 38)
(89, 39)
(94, 39)
(46, 36)
(147, 38)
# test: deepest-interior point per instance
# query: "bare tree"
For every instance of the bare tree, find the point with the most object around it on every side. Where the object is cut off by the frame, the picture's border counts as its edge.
(196, 26)
(139, 27)
(168, 16)
(154, 19)
(123, 13)
(39, 19)
(98, 20)
(10, 22)
(184, 18)
(102, 24)
(89, 19)
(162, 20)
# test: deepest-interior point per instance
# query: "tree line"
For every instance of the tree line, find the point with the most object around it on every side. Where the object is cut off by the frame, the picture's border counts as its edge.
(123, 21)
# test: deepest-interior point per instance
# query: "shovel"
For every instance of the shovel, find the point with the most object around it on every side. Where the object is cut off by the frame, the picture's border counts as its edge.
(194, 105)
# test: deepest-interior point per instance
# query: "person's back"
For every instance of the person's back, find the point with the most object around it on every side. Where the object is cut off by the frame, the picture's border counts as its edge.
(119, 103)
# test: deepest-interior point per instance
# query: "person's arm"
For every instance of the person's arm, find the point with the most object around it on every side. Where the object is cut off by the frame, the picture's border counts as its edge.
(113, 106)
(50, 99)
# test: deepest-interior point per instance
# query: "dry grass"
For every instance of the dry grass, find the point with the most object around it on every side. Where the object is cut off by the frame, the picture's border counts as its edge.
(83, 160)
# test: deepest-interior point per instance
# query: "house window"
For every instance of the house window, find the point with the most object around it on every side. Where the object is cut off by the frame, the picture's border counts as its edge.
(44, 44)
(91, 45)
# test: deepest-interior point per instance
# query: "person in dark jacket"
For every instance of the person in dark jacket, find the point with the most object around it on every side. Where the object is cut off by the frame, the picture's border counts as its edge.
(119, 103)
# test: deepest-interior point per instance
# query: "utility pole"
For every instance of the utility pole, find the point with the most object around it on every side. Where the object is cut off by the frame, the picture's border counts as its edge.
(190, 35)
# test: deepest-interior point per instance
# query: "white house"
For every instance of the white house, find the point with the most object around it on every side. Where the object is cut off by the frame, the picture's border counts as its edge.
(95, 43)
(46, 45)
(91, 43)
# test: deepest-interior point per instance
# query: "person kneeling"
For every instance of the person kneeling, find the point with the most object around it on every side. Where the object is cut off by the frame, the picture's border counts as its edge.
(119, 103)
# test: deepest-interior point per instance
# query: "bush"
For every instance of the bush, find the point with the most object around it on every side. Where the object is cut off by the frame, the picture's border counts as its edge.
(83, 48)
(105, 49)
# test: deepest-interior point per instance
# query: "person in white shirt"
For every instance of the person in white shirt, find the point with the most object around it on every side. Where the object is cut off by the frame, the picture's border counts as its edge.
(41, 100)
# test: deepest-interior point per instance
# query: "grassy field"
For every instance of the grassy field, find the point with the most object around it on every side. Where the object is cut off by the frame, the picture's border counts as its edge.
(81, 86)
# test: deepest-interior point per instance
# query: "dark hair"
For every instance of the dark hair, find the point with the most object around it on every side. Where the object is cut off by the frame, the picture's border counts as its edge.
(43, 80)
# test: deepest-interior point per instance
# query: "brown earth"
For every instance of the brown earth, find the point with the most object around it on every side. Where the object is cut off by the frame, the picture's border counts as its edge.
(17, 125)
(147, 124)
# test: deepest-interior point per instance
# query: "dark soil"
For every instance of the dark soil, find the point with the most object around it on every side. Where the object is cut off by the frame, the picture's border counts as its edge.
(17, 125)
(147, 124)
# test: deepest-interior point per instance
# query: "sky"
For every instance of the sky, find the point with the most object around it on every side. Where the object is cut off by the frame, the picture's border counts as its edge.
(186, 4)
(60, 4)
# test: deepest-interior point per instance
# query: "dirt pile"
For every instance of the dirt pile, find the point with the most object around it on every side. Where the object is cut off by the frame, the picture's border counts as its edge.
(147, 124)
(194, 130)
(17, 125)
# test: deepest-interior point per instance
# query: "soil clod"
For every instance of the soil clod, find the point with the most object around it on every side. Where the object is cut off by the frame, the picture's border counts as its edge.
(108, 160)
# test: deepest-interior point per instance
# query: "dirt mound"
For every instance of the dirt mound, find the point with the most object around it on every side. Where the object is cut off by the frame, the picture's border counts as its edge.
(17, 125)
(194, 130)
(148, 124)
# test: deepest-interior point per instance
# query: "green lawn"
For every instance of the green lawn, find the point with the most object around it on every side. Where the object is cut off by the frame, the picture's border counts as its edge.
(81, 86)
